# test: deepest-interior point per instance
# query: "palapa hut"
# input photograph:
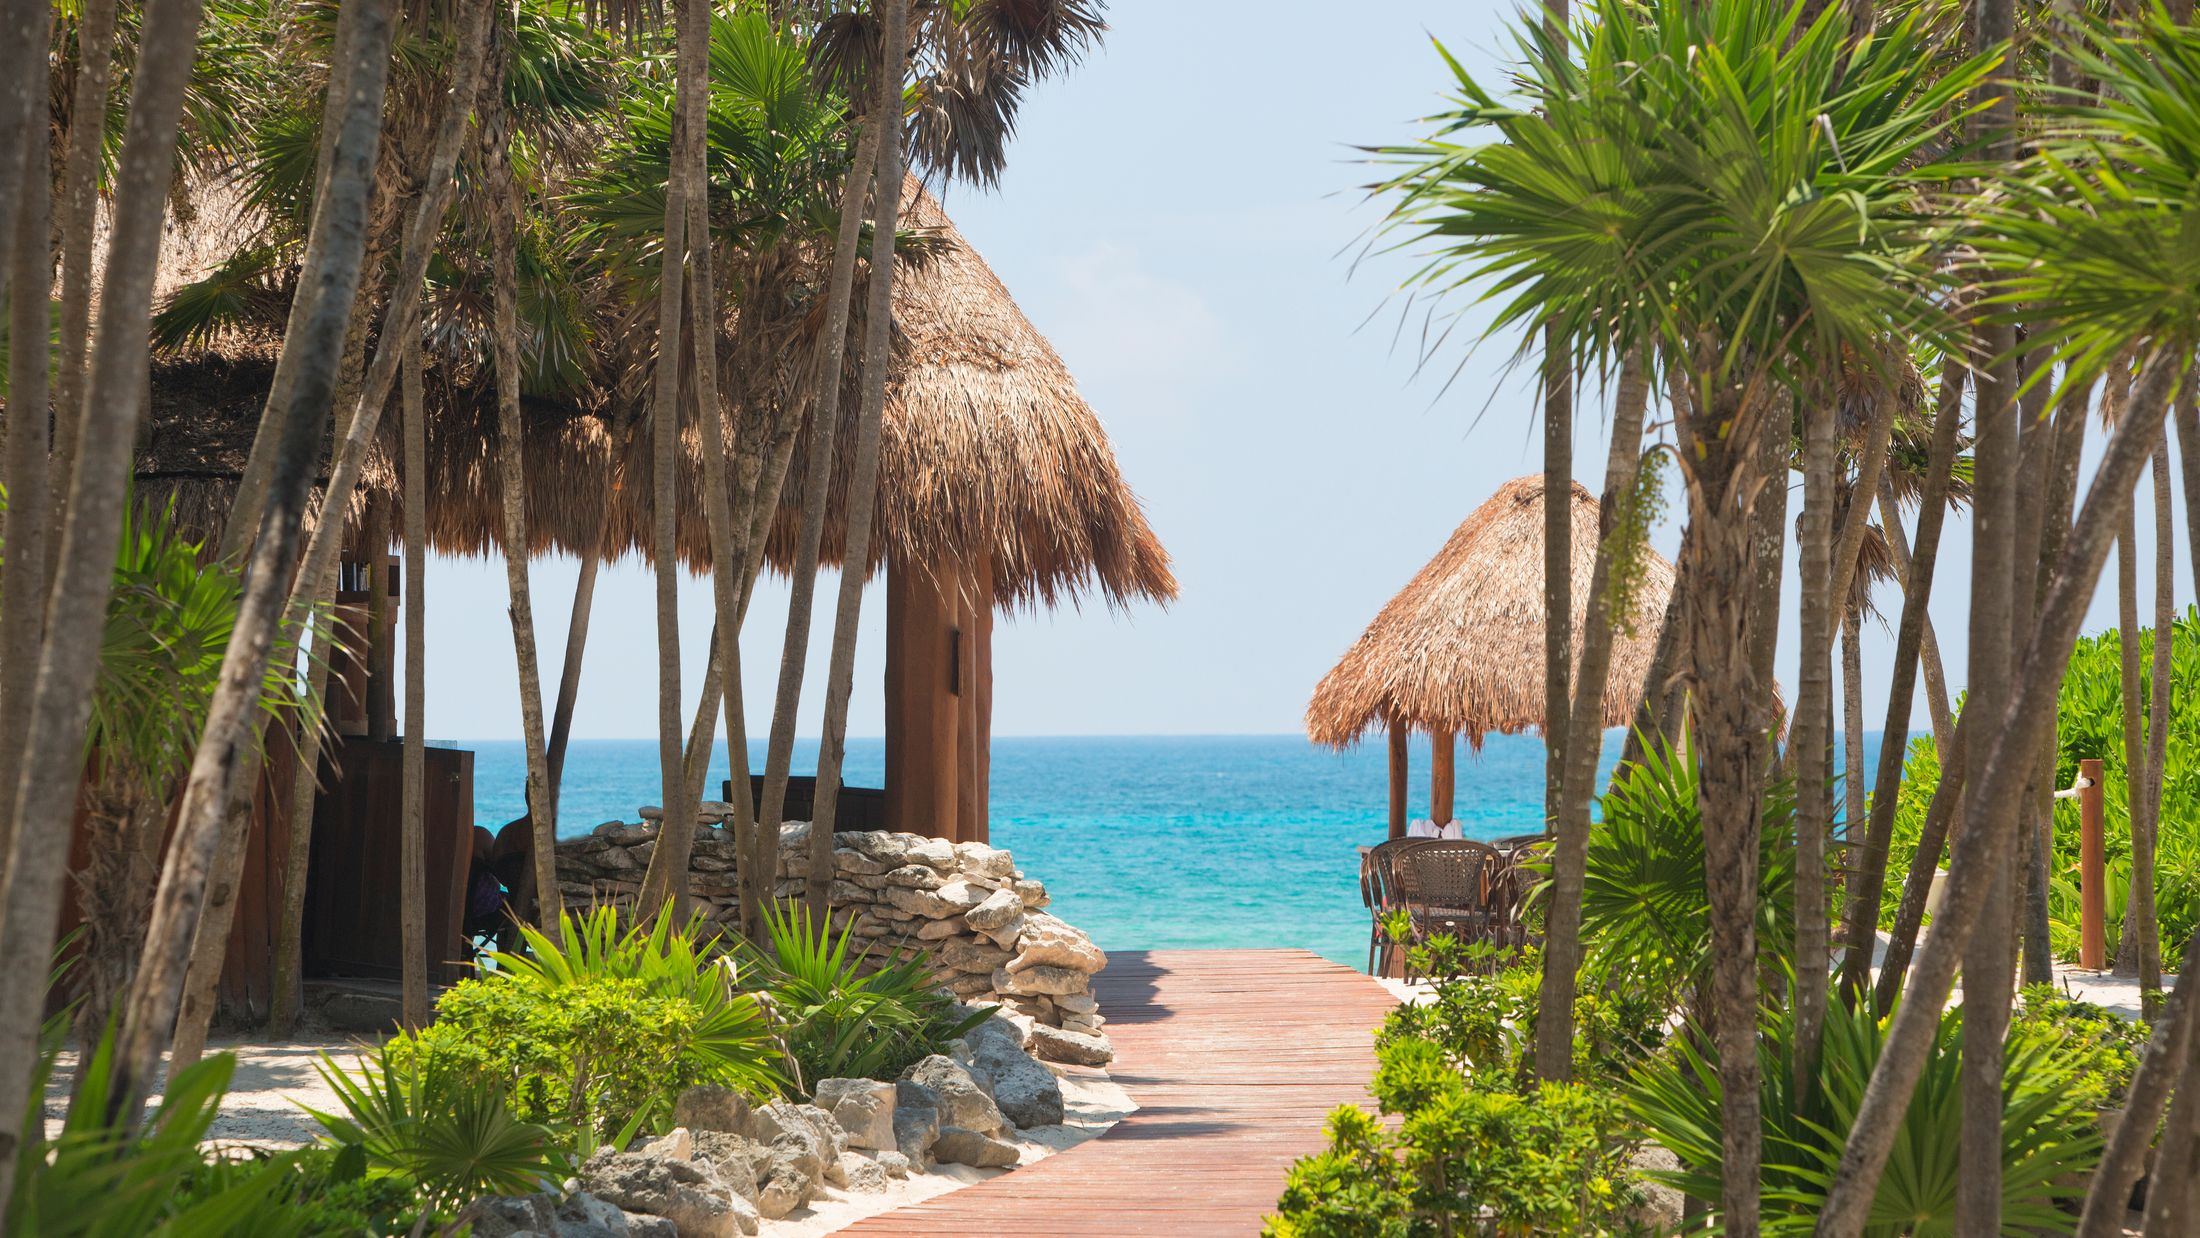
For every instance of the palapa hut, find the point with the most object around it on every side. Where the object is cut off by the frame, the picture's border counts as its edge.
(997, 489)
(1459, 651)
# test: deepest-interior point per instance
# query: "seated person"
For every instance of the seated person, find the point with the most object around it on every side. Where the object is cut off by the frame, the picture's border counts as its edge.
(485, 897)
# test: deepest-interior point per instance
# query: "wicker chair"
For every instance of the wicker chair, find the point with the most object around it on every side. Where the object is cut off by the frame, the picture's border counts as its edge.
(1379, 893)
(1514, 885)
(1455, 888)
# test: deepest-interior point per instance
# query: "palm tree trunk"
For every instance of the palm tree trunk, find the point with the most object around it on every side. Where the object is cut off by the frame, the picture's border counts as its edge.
(2150, 792)
(1558, 560)
(60, 704)
(1854, 790)
(1581, 744)
(824, 423)
(1989, 966)
(2130, 693)
(665, 885)
(1723, 452)
(569, 672)
(233, 713)
(1982, 846)
(2170, 1191)
(863, 480)
(2066, 446)
(23, 580)
(504, 211)
(1809, 746)
(2175, 1038)
(664, 485)
(24, 26)
(1913, 638)
(286, 995)
(95, 53)
(412, 866)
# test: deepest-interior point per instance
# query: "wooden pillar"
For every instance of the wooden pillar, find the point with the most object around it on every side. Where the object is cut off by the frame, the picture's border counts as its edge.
(2092, 883)
(923, 729)
(381, 580)
(973, 686)
(1397, 780)
(1440, 777)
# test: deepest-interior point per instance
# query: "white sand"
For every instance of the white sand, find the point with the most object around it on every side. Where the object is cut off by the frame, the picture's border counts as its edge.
(260, 1110)
(1091, 1103)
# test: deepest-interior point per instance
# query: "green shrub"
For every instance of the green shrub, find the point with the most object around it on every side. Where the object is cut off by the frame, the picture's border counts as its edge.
(319, 1192)
(842, 1013)
(2049, 1134)
(1485, 1026)
(603, 1028)
(2098, 1047)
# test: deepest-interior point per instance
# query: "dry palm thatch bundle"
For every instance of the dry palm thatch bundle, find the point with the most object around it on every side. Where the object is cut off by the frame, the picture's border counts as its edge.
(1460, 649)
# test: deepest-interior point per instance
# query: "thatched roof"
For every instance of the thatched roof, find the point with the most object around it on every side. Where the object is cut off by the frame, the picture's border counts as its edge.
(1461, 647)
(988, 450)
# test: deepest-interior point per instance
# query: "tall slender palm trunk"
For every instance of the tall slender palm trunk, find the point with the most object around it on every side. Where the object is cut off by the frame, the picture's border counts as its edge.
(233, 713)
(569, 669)
(1983, 845)
(1558, 561)
(26, 254)
(1809, 746)
(95, 53)
(1853, 787)
(2150, 792)
(413, 846)
(817, 478)
(2130, 685)
(60, 703)
(504, 214)
(1580, 745)
(665, 885)
(855, 565)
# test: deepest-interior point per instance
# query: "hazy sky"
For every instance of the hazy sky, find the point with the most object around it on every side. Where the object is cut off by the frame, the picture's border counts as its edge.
(1180, 217)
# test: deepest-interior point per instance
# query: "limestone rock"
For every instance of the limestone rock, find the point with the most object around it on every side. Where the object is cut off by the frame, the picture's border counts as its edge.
(674, 1145)
(1026, 1093)
(1006, 935)
(848, 861)
(985, 861)
(923, 903)
(998, 909)
(1032, 892)
(957, 1146)
(963, 1101)
(864, 1108)
(1077, 1003)
(915, 877)
(938, 930)
(687, 1194)
(737, 1159)
(581, 1216)
(643, 1225)
(971, 956)
(790, 1177)
(1047, 941)
(963, 985)
(894, 1163)
(962, 895)
(1076, 1048)
(861, 1174)
(1039, 980)
(810, 1125)
(916, 1120)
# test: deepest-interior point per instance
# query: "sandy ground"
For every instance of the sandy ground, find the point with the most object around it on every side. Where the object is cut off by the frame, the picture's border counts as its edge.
(1091, 1104)
(271, 1081)
(259, 1108)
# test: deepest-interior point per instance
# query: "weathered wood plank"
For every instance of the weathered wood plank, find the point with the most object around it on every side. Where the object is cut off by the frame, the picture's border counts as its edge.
(1235, 1057)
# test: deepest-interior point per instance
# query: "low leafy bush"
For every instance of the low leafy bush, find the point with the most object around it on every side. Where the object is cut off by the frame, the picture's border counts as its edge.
(1479, 1146)
(323, 1192)
(449, 1136)
(2050, 1138)
(2099, 1048)
(843, 1014)
(603, 1027)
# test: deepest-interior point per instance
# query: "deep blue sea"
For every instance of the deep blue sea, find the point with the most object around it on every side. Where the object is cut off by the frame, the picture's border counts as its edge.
(1144, 842)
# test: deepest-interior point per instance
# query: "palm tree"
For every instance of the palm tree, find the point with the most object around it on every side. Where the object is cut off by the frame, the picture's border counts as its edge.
(412, 866)
(60, 705)
(1704, 112)
(2103, 259)
(87, 134)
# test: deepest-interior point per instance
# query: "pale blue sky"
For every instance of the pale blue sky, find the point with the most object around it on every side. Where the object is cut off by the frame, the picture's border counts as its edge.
(1179, 217)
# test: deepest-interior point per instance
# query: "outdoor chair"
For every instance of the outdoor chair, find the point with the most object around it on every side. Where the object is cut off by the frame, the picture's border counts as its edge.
(1451, 888)
(1379, 892)
(1522, 872)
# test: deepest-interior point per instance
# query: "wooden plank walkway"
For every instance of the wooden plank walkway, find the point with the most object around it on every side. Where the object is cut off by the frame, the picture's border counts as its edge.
(1234, 1058)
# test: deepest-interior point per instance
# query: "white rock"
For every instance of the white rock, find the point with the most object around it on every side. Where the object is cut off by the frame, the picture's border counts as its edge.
(978, 858)
(938, 930)
(864, 1108)
(997, 909)
(1038, 980)
(1047, 941)
(1057, 1045)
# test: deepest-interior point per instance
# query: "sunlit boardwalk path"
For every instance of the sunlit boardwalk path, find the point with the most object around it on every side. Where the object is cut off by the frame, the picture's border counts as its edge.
(1234, 1058)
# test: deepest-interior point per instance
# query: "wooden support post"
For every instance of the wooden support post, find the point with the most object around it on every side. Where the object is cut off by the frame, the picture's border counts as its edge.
(380, 576)
(975, 706)
(2092, 881)
(923, 726)
(1440, 777)
(1397, 780)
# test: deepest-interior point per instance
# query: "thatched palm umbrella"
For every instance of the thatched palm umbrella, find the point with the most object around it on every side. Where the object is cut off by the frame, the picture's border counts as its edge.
(1459, 651)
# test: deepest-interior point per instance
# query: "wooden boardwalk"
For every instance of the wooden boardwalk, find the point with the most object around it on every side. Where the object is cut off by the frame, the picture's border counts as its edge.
(1234, 1058)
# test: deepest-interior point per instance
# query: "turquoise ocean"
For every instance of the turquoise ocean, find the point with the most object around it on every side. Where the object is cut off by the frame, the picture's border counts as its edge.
(1144, 842)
